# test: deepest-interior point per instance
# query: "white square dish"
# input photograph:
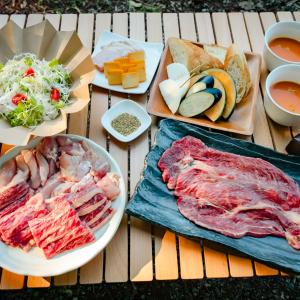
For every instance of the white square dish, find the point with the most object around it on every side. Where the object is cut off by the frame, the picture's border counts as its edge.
(153, 53)
(126, 106)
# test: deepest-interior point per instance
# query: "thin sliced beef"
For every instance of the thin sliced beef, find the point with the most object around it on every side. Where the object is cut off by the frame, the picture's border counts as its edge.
(232, 194)
(60, 230)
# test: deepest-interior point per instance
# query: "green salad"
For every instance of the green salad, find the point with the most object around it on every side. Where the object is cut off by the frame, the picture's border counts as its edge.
(32, 90)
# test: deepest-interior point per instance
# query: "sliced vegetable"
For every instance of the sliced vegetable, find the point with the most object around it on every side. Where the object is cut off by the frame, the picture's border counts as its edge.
(215, 92)
(229, 87)
(17, 98)
(196, 104)
(201, 83)
(54, 62)
(29, 72)
(215, 112)
(55, 94)
(170, 92)
(181, 75)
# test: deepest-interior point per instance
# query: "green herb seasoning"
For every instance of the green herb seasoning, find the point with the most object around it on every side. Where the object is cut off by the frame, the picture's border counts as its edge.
(125, 123)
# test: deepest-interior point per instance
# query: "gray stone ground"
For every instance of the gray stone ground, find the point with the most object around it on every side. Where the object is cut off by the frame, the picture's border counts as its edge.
(243, 288)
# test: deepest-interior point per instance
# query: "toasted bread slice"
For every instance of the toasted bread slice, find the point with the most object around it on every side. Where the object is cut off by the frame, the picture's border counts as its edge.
(236, 65)
(192, 56)
(216, 51)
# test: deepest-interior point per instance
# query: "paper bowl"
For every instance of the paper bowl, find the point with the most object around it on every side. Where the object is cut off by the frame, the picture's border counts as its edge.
(276, 112)
(281, 29)
(46, 42)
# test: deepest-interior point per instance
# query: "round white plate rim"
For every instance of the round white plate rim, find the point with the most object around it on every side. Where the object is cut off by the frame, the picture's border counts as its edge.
(90, 250)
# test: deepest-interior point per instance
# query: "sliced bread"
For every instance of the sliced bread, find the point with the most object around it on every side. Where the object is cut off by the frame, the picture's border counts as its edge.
(192, 56)
(236, 65)
(216, 51)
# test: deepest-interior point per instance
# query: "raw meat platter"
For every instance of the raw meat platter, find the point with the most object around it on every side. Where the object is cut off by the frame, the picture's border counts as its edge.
(61, 201)
(167, 193)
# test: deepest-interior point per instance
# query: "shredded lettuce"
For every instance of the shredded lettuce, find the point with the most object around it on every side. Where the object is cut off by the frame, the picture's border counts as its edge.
(39, 106)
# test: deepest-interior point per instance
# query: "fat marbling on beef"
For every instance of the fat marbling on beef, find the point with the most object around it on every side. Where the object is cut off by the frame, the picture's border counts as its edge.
(231, 194)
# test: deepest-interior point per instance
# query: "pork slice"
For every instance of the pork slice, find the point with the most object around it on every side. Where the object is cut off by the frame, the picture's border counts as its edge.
(43, 167)
(51, 184)
(7, 172)
(30, 160)
(91, 205)
(104, 219)
(62, 188)
(96, 214)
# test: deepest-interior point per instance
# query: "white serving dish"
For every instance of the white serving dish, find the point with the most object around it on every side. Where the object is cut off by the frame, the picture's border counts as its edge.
(153, 53)
(281, 29)
(126, 106)
(34, 262)
(277, 113)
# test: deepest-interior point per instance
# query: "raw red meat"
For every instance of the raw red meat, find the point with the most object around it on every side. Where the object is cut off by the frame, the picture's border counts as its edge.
(97, 201)
(101, 221)
(232, 194)
(60, 230)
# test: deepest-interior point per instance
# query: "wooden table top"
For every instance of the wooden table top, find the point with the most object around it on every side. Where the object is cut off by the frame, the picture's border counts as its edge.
(139, 251)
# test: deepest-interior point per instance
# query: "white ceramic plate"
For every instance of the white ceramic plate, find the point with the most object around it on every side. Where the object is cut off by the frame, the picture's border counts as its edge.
(33, 262)
(126, 106)
(153, 52)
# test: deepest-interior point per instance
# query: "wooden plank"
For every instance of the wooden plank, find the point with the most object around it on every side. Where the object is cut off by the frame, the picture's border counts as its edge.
(93, 271)
(190, 252)
(166, 267)
(222, 31)
(53, 19)
(166, 264)
(216, 265)
(205, 28)
(34, 19)
(141, 268)
(281, 134)
(11, 280)
(285, 16)
(3, 20)
(116, 264)
(78, 121)
(154, 34)
(68, 23)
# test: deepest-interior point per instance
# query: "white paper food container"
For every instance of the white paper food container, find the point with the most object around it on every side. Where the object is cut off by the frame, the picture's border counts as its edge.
(46, 42)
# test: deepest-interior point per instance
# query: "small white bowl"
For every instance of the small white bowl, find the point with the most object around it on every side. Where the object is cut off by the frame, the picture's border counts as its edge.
(280, 29)
(277, 113)
(126, 106)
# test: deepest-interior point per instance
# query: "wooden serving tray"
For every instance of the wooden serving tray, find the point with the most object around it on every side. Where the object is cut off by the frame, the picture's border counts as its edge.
(242, 119)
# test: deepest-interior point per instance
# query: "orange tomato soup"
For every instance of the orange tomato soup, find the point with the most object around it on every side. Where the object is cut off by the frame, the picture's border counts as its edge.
(288, 49)
(287, 95)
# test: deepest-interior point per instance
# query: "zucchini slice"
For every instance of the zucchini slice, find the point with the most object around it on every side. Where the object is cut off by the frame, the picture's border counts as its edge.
(196, 104)
(215, 112)
(200, 83)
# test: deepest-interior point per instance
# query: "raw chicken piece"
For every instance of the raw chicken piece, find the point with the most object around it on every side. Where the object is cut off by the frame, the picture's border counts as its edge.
(22, 166)
(73, 168)
(99, 165)
(109, 186)
(49, 149)
(51, 184)
(43, 167)
(73, 149)
(30, 160)
(7, 172)
(64, 141)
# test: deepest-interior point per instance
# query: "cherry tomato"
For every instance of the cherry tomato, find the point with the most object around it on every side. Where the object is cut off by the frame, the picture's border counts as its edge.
(17, 98)
(28, 72)
(55, 94)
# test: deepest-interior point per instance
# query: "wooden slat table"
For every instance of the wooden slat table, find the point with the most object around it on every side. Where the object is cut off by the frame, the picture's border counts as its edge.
(139, 251)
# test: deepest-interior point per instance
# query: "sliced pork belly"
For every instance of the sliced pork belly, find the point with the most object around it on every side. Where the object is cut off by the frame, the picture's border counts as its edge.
(91, 205)
(102, 220)
(7, 172)
(16, 189)
(30, 160)
(43, 167)
(60, 230)
(109, 186)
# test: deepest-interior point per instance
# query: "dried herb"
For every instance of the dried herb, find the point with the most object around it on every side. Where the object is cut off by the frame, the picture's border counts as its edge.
(125, 123)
